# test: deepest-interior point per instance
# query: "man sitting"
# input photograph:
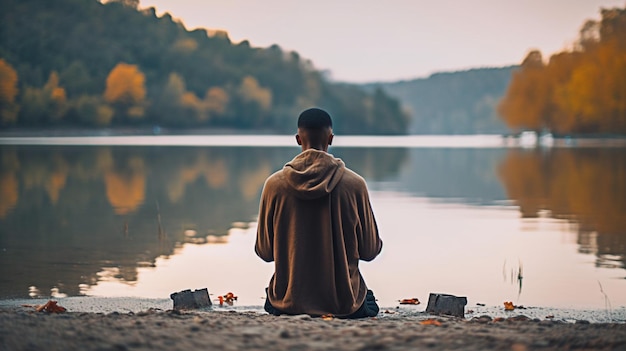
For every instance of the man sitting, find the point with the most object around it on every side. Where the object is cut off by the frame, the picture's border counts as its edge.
(316, 223)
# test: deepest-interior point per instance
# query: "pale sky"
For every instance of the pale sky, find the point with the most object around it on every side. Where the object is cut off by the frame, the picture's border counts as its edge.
(387, 40)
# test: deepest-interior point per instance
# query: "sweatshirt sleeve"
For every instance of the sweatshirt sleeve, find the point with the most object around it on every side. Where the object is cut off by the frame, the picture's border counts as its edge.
(370, 243)
(264, 246)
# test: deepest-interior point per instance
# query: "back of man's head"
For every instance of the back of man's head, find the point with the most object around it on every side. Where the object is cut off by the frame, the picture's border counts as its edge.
(314, 118)
(315, 129)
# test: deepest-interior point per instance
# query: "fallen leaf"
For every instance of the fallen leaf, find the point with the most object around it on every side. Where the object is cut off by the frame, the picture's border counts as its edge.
(498, 319)
(508, 306)
(389, 312)
(328, 317)
(430, 322)
(50, 307)
(412, 301)
(550, 316)
(227, 298)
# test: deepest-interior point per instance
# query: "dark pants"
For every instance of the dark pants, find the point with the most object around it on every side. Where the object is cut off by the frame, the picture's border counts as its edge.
(369, 308)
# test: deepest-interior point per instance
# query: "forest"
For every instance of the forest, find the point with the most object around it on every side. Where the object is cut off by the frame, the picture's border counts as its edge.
(91, 64)
(578, 91)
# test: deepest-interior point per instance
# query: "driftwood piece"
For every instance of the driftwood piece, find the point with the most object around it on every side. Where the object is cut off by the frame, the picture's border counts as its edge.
(188, 300)
(446, 304)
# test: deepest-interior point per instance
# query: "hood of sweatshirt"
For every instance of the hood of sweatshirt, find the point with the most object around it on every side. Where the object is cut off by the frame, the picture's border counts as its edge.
(313, 173)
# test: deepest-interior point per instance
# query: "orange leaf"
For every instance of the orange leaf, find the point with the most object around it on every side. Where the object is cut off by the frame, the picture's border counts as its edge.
(51, 307)
(430, 322)
(328, 317)
(508, 306)
(229, 297)
(413, 301)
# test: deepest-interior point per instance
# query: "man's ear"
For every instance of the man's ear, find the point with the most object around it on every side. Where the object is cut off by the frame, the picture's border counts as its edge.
(330, 139)
(298, 140)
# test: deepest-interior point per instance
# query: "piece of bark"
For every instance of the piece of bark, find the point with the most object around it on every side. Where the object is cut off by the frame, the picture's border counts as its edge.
(446, 304)
(188, 300)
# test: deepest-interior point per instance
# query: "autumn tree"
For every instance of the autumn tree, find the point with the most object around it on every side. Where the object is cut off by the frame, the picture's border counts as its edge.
(255, 102)
(251, 91)
(178, 106)
(8, 93)
(92, 111)
(525, 104)
(44, 105)
(126, 90)
(579, 91)
(57, 98)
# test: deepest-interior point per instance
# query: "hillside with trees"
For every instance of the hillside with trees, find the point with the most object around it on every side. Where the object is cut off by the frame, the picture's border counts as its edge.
(88, 64)
(582, 91)
(461, 102)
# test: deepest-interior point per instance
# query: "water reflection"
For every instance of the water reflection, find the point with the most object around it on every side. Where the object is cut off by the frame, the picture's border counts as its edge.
(79, 215)
(586, 187)
(123, 220)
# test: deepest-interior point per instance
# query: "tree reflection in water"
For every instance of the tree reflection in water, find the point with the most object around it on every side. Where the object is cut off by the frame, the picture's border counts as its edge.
(79, 215)
(584, 186)
(73, 216)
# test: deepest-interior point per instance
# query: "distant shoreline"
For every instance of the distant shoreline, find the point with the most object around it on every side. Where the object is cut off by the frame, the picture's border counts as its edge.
(140, 131)
(147, 131)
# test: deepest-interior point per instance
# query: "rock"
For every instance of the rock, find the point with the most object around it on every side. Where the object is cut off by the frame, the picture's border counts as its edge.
(446, 304)
(188, 299)
(482, 319)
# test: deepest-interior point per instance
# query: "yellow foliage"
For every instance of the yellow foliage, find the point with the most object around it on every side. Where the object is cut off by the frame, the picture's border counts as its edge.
(8, 83)
(581, 93)
(185, 46)
(216, 100)
(8, 92)
(125, 85)
(190, 100)
(125, 191)
(252, 182)
(251, 91)
(214, 172)
(104, 115)
(135, 111)
(570, 183)
(55, 184)
(9, 195)
(526, 103)
(56, 96)
(218, 33)
(578, 91)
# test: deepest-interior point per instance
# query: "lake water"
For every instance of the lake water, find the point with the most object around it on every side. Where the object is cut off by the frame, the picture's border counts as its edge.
(469, 216)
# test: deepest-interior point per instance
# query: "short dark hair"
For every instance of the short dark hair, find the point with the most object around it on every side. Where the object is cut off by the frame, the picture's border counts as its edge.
(314, 118)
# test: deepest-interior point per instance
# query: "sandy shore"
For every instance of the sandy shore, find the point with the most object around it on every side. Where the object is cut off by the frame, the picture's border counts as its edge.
(22, 328)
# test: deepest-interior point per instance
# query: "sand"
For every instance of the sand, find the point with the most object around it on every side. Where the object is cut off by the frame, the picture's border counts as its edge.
(22, 328)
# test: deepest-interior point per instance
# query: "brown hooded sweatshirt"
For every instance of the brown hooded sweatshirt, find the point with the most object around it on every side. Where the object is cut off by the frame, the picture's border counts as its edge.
(316, 223)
